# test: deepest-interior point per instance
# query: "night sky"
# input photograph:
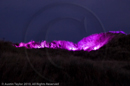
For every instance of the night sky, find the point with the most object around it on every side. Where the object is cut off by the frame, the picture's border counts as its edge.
(71, 20)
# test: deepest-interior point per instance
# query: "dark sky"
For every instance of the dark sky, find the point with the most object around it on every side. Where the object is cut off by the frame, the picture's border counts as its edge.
(25, 20)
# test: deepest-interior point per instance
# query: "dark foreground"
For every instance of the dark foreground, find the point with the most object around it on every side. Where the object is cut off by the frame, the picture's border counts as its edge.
(108, 66)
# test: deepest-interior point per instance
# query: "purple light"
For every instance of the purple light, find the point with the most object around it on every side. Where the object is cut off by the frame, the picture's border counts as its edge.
(92, 42)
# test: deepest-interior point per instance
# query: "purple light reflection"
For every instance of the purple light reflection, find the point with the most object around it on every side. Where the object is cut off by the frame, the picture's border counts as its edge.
(92, 42)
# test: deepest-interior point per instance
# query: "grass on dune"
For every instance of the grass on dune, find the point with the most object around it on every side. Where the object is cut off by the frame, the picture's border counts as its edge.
(104, 67)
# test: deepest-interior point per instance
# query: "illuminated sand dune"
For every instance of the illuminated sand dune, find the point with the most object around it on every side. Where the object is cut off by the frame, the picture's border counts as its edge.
(92, 42)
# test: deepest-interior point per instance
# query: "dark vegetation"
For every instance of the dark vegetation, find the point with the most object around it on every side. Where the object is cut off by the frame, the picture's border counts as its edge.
(108, 66)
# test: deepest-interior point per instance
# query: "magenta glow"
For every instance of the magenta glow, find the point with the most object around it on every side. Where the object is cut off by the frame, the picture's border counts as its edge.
(92, 42)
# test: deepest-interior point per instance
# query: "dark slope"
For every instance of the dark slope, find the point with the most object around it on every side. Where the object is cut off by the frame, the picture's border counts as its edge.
(108, 66)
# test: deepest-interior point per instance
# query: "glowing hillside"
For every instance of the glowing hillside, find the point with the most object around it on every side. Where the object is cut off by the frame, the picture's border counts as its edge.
(92, 42)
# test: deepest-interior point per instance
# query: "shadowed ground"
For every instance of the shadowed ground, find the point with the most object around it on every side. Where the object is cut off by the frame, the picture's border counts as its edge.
(108, 66)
